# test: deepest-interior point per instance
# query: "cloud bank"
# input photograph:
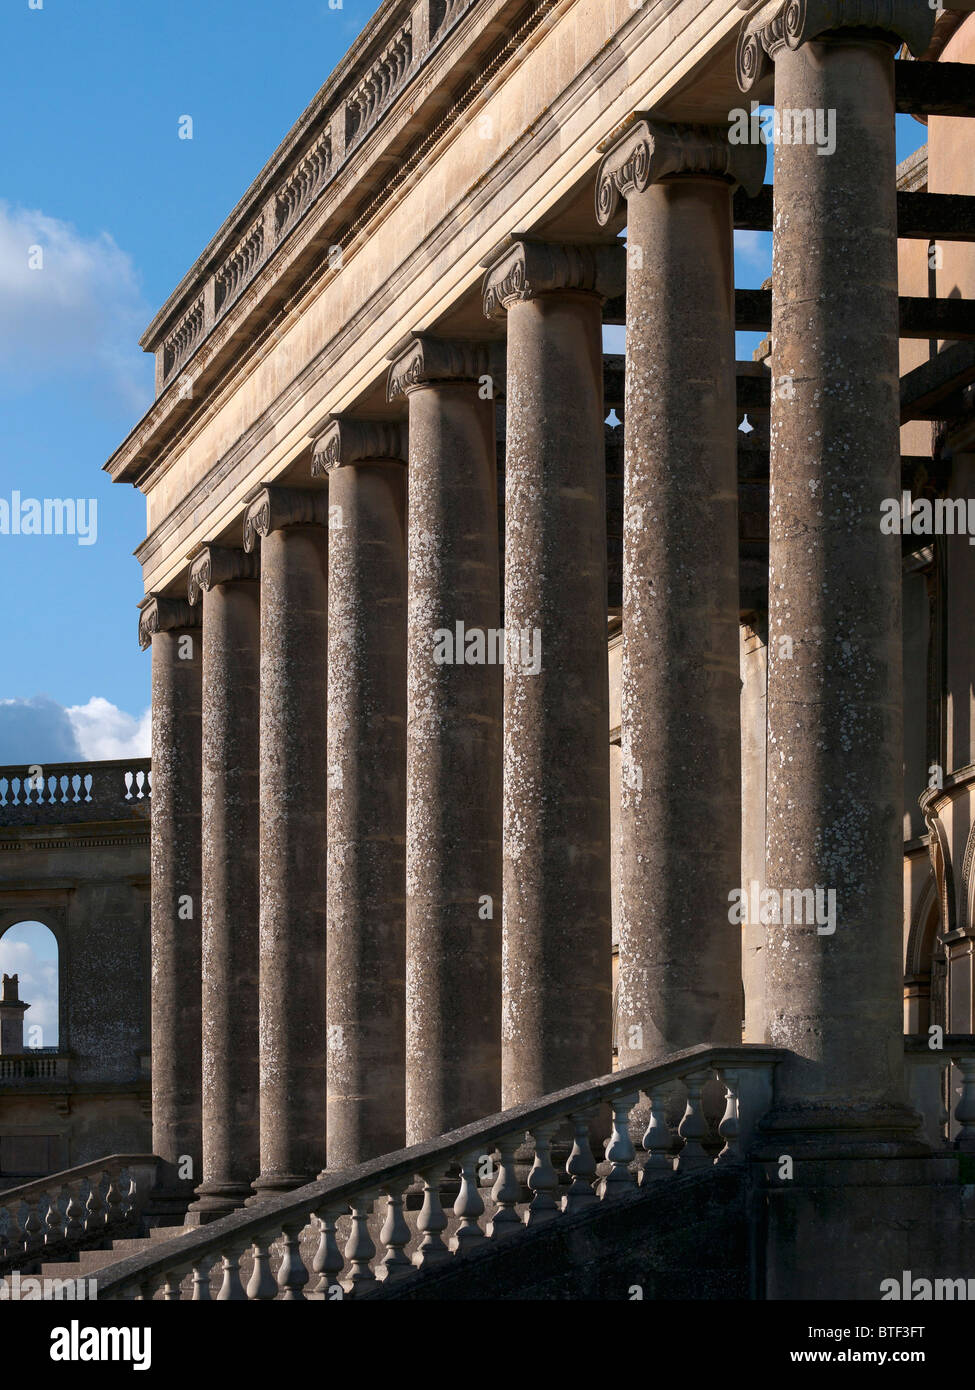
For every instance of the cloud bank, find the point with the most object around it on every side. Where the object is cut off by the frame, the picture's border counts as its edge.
(40, 730)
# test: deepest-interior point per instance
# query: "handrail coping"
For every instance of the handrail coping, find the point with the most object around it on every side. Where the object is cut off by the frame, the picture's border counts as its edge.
(68, 1175)
(79, 765)
(240, 1227)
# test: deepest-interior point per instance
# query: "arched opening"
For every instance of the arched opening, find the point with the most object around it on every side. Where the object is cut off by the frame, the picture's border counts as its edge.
(29, 952)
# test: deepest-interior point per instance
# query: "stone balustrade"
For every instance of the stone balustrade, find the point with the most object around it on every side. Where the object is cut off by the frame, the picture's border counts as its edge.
(80, 1206)
(488, 1162)
(33, 1066)
(931, 1086)
(61, 793)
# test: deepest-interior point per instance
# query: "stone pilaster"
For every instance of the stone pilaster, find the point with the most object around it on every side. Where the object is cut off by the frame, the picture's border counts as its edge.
(453, 747)
(366, 934)
(834, 692)
(224, 579)
(556, 1007)
(679, 953)
(172, 629)
(291, 528)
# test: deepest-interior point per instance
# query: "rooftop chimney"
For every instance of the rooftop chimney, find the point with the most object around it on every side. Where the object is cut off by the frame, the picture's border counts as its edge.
(12, 1010)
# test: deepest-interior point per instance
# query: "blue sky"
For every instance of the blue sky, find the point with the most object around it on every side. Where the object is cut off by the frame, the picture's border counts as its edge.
(94, 174)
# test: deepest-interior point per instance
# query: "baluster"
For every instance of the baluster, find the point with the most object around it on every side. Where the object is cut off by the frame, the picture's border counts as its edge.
(172, 1284)
(94, 1206)
(292, 1274)
(693, 1128)
(506, 1190)
(328, 1262)
(16, 787)
(580, 1166)
(4, 788)
(76, 786)
(262, 1284)
(73, 1215)
(658, 1141)
(619, 1150)
(965, 1109)
(140, 778)
(54, 1230)
(113, 1201)
(469, 1206)
(360, 1247)
(728, 1127)
(232, 1290)
(395, 1234)
(34, 1225)
(431, 1221)
(127, 779)
(201, 1280)
(86, 783)
(127, 1190)
(543, 1180)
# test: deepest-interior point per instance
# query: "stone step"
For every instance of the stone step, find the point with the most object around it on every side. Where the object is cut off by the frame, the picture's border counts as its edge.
(88, 1262)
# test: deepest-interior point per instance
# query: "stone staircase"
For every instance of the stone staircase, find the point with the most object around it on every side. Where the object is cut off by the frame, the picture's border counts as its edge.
(87, 1263)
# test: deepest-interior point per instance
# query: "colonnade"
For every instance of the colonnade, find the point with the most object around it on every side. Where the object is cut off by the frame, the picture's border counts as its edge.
(400, 912)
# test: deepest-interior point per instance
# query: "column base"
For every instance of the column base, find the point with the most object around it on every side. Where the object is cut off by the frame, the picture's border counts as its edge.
(215, 1200)
(270, 1183)
(808, 1130)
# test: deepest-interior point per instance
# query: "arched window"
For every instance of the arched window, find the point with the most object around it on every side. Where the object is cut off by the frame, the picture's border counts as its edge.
(29, 950)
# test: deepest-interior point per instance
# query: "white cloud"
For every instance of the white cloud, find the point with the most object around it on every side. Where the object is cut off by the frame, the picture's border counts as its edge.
(105, 731)
(754, 251)
(38, 987)
(69, 302)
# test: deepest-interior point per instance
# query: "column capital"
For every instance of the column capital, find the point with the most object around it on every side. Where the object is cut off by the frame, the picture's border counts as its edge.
(650, 150)
(772, 25)
(161, 613)
(271, 507)
(218, 564)
(421, 359)
(347, 440)
(526, 268)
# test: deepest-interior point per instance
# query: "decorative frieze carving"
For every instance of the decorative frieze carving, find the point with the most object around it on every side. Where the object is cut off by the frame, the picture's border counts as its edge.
(529, 268)
(651, 150)
(219, 564)
(184, 337)
(774, 24)
(161, 613)
(443, 13)
(304, 185)
(426, 358)
(346, 440)
(273, 507)
(239, 266)
(365, 104)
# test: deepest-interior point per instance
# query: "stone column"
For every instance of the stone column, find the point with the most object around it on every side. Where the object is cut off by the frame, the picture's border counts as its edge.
(557, 984)
(366, 932)
(225, 579)
(834, 977)
(453, 742)
(291, 527)
(172, 628)
(680, 821)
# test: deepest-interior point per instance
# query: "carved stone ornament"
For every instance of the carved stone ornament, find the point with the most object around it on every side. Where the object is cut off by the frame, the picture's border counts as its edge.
(219, 564)
(775, 24)
(426, 359)
(273, 507)
(529, 268)
(160, 613)
(346, 440)
(651, 150)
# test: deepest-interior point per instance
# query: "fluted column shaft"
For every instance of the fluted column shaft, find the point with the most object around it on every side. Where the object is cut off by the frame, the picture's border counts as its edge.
(172, 628)
(680, 816)
(834, 691)
(226, 580)
(454, 706)
(292, 527)
(556, 1019)
(366, 935)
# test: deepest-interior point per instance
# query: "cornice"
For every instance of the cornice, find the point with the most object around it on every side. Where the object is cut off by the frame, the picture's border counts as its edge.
(161, 613)
(651, 150)
(346, 440)
(218, 564)
(273, 507)
(529, 268)
(772, 25)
